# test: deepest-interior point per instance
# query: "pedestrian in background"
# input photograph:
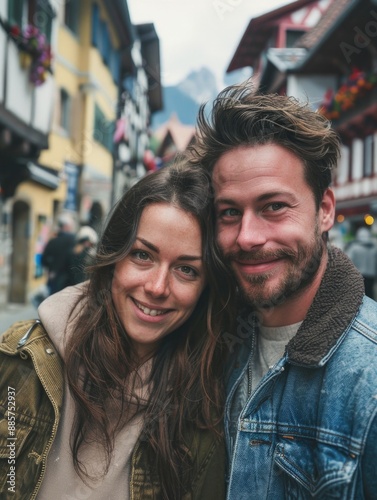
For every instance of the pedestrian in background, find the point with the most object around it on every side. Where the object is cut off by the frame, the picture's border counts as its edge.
(57, 253)
(363, 253)
(82, 254)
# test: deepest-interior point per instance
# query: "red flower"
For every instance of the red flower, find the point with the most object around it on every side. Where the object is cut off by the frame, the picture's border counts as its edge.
(15, 30)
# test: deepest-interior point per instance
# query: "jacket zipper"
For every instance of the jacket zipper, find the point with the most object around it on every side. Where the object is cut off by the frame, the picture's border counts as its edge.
(54, 429)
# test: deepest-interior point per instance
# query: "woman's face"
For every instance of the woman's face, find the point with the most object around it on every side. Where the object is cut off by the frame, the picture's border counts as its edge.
(157, 285)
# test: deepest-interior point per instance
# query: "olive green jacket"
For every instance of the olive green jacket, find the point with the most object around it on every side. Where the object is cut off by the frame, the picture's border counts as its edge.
(31, 394)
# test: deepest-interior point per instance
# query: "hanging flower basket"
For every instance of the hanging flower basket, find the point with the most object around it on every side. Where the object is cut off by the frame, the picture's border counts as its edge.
(35, 52)
(356, 86)
(25, 60)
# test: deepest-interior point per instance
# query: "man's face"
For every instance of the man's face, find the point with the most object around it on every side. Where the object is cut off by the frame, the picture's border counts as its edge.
(269, 229)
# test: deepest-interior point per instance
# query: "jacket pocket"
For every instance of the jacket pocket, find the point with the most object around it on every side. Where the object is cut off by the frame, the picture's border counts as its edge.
(315, 470)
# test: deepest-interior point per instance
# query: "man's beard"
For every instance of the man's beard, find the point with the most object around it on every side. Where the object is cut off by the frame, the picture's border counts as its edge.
(302, 267)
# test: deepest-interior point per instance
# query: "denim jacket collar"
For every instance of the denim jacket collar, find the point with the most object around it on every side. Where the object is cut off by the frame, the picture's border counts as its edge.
(335, 305)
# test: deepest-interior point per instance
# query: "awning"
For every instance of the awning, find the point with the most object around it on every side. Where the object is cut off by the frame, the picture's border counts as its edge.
(14, 171)
(45, 176)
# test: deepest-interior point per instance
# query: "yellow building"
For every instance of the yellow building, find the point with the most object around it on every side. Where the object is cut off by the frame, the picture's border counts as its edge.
(87, 72)
(93, 44)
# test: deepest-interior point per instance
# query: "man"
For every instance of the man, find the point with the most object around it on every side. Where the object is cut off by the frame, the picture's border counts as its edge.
(81, 255)
(57, 253)
(301, 412)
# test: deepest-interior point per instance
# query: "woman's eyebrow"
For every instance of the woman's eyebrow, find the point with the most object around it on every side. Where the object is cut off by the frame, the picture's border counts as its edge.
(148, 244)
(156, 249)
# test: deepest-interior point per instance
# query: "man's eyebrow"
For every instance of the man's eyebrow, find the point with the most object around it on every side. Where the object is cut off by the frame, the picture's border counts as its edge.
(262, 197)
(157, 250)
(225, 201)
(274, 194)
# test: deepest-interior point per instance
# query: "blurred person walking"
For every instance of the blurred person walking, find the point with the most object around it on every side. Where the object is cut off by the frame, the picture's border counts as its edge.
(81, 255)
(363, 253)
(57, 253)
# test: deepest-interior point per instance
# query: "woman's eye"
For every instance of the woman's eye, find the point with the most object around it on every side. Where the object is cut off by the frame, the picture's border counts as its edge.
(140, 254)
(189, 271)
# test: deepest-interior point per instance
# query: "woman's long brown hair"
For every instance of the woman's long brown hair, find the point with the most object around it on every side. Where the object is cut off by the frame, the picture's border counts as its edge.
(187, 371)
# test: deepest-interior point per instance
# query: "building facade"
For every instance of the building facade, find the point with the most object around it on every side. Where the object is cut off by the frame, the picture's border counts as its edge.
(74, 114)
(27, 35)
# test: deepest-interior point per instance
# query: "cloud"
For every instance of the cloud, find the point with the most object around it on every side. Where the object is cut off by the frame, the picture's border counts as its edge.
(197, 33)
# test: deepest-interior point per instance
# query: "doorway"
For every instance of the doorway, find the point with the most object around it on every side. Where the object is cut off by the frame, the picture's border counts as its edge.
(20, 252)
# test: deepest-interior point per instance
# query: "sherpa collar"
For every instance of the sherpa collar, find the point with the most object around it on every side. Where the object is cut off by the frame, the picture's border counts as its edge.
(335, 305)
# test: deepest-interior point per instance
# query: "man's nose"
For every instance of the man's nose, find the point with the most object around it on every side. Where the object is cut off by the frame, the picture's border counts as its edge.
(252, 232)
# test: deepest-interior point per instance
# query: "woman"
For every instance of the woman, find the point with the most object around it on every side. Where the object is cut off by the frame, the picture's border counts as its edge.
(143, 359)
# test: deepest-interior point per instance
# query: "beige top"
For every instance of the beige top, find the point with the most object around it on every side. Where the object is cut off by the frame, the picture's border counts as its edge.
(270, 346)
(61, 481)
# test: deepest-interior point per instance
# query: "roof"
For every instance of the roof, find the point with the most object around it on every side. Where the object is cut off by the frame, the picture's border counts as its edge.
(332, 14)
(336, 27)
(257, 34)
(181, 134)
(120, 18)
(321, 46)
(150, 49)
(279, 62)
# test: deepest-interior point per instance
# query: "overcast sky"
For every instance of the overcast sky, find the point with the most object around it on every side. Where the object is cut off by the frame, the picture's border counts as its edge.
(196, 33)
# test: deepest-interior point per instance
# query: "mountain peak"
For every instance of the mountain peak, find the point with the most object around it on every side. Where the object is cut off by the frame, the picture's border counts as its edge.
(184, 99)
(200, 85)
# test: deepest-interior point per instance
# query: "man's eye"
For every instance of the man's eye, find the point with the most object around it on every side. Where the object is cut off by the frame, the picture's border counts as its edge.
(229, 212)
(275, 206)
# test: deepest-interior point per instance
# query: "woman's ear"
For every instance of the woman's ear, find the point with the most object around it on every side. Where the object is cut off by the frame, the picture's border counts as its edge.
(327, 211)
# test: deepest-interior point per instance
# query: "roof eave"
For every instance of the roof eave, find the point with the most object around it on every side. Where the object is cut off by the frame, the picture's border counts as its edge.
(338, 22)
(256, 22)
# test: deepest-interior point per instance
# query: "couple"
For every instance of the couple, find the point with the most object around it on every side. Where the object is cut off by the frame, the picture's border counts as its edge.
(123, 387)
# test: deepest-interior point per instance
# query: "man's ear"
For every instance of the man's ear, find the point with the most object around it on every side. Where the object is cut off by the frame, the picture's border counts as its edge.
(327, 210)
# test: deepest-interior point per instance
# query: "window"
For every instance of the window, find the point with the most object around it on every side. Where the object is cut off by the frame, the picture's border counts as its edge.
(99, 36)
(71, 15)
(368, 156)
(17, 12)
(95, 25)
(103, 129)
(106, 43)
(43, 17)
(102, 41)
(129, 85)
(65, 110)
(350, 162)
(39, 13)
(292, 36)
(115, 65)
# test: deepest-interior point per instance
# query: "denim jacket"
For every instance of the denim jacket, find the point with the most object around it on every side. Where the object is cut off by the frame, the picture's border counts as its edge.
(31, 396)
(309, 429)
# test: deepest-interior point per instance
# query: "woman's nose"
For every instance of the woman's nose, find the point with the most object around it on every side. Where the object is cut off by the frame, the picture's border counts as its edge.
(157, 284)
